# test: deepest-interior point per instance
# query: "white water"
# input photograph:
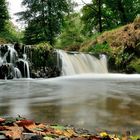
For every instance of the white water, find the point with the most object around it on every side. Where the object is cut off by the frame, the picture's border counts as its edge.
(109, 101)
(13, 54)
(17, 73)
(25, 67)
(78, 63)
(13, 58)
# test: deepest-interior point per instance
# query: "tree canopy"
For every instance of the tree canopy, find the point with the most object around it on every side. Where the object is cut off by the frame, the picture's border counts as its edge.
(4, 15)
(71, 31)
(107, 14)
(44, 19)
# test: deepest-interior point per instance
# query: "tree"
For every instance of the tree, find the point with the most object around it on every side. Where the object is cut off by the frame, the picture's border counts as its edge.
(93, 11)
(71, 32)
(4, 15)
(46, 17)
(33, 33)
(101, 15)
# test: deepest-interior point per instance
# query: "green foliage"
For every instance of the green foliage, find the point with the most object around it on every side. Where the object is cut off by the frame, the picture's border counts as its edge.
(125, 11)
(135, 64)
(43, 56)
(71, 32)
(43, 46)
(33, 34)
(134, 137)
(121, 61)
(10, 34)
(4, 15)
(89, 19)
(100, 48)
(112, 13)
(44, 19)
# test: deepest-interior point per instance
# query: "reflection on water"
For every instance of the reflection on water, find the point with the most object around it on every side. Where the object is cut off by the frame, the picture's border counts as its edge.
(90, 101)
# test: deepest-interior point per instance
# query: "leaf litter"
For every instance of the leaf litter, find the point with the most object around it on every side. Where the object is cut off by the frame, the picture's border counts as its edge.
(23, 129)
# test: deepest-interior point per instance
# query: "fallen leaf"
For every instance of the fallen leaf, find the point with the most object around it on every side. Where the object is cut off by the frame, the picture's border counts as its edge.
(24, 122)
(2, 120)
(69, 133)
(58, 132)
(58, 127)
(2, 128)
(9, 121)
(38, 129)
(103, 134)
(48, 138)
(13, 132)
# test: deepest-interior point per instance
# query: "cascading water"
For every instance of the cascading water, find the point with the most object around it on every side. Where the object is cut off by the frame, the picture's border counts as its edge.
(9, 63)
(78, 63)
(25, 67)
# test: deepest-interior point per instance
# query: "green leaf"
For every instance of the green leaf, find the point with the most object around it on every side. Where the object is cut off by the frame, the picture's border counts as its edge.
(58, 127)
(48, 138)
(135, 137)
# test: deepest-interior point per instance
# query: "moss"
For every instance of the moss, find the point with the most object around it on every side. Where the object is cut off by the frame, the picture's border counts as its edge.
(100, 48)
(43, 45)
(2, 41)
(135, 64)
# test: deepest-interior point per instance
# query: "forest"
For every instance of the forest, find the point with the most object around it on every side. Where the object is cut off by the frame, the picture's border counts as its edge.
(101, 96)
(111, 27)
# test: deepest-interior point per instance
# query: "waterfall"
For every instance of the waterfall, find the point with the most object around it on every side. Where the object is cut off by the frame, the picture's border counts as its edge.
(77, 63)
(17, 73)
(9, 59)
(25, 67)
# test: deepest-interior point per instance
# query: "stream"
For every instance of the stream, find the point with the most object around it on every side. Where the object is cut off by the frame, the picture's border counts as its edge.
(90, 101)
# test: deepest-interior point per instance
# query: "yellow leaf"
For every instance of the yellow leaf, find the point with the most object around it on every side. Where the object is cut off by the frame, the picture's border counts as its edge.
(58, 131)
(69, 133)
(103, 134)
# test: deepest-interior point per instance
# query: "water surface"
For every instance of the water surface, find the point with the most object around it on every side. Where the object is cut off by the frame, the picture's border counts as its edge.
(90, 101)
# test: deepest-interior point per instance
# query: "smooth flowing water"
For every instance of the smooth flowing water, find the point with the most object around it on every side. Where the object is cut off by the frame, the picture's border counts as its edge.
(79, 63)
(106, 101)
(90, 101)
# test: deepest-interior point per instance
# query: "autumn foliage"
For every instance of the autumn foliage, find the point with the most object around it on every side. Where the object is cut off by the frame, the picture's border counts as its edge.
(23, 129)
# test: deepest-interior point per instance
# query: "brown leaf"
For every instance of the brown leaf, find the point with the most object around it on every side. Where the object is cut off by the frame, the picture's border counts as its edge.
(35, 128)
(14, 132)
(68, 133)
(2, 120)
(24, 122)
(2, 128)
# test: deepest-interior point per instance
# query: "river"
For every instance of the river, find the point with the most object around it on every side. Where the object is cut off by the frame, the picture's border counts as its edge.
(90, 101)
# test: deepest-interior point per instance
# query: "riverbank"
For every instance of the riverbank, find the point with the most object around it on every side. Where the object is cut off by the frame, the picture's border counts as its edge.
(121, 45)
(24, 129)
